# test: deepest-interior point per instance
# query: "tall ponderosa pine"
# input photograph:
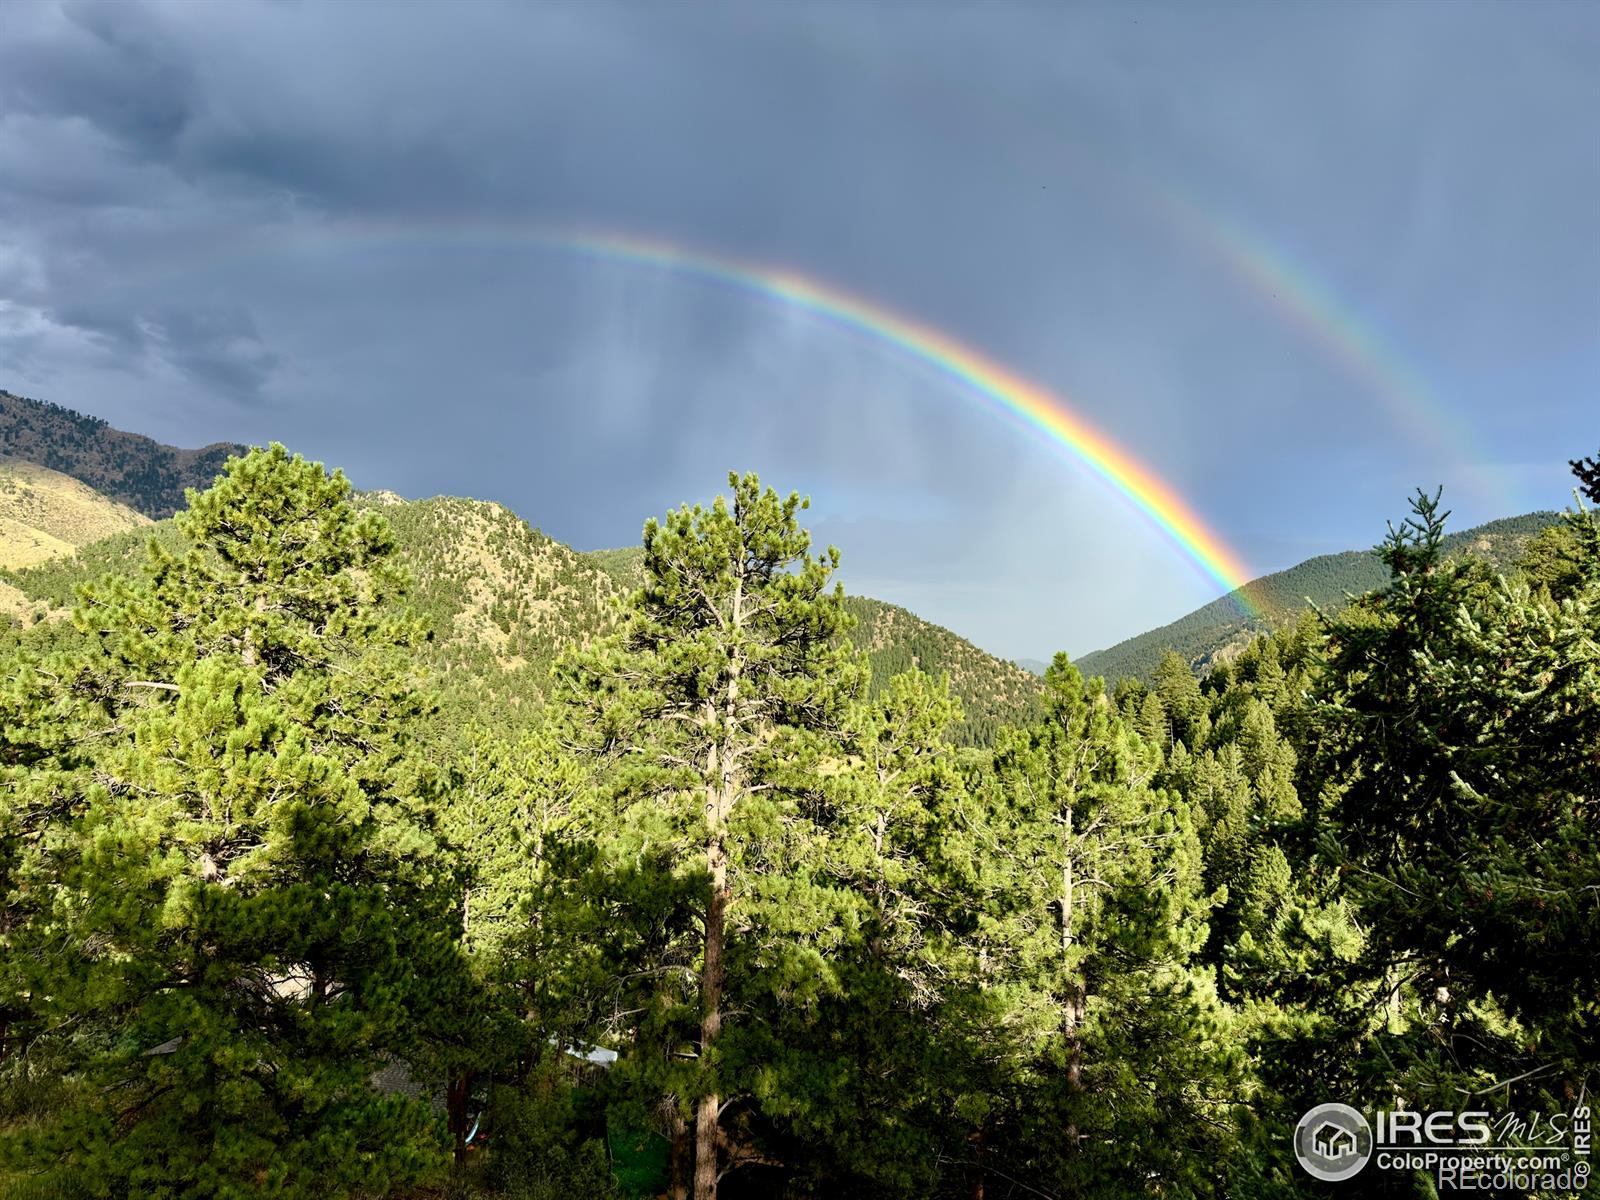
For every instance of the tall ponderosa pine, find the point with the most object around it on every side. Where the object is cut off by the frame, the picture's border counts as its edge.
(1096, 915)
(871, 1076)
(246, 903)
(727, 684)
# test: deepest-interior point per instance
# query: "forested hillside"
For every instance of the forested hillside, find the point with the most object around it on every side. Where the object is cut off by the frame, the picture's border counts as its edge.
(992, 691)
(498, 599)
(1219, 630)
(52, 584)
(717, 915)
(501, 600)
(128, 467)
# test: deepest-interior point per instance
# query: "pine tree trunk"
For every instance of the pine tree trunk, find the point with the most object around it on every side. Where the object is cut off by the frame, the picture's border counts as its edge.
(1072, 1016)
(721, 788)
(456, 1111)
(706, 1116)
(1066, 891)
(1076, 1003)
(248, 653)
(682, 1157)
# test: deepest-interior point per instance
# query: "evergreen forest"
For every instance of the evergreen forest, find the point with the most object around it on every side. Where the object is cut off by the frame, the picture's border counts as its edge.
(713, 890)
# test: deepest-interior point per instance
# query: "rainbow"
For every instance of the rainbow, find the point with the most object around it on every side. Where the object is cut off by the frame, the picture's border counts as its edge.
(1026, 403)
(1299, 297)
(1296, 295)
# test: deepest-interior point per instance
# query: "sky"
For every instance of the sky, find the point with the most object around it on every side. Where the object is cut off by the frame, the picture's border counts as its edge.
(1295, 260)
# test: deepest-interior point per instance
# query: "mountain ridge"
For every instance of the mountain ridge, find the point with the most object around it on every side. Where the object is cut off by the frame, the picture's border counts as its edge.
(485, 591)
(145, 475)
(1218, 630)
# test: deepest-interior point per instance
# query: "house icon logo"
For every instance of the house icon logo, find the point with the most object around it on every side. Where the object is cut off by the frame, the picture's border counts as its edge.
(1333, 1142)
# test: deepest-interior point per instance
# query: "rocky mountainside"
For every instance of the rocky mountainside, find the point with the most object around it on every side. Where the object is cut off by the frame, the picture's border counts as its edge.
(129, 468)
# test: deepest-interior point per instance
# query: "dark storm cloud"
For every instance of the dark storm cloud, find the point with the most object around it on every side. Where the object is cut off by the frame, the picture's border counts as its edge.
(217, 346)
(112, 327)
(234, 221)
(108, 65)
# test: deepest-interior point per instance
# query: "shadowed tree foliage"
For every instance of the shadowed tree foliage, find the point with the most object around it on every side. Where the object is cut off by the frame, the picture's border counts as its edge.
(1459, 738)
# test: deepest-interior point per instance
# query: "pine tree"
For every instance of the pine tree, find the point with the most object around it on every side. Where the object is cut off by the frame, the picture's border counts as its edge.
(1097, 915)
(1461, 726)
(1587, 472)
(727, 684)
(868, 1079)
(49, 719)
(513, 800)
(249, 904)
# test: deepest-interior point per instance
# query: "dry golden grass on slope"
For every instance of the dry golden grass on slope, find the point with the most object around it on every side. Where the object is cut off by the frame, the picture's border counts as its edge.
(128, 467)
(44, 514)
(22, 545)
(12, 601)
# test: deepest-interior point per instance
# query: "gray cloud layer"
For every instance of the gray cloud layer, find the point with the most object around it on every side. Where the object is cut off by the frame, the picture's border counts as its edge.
(193, 199)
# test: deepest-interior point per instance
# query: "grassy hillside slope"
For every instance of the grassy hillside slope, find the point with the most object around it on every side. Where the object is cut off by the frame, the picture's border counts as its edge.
(130, 468)
(499, 598)
(45, 514)
(1220, 629)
